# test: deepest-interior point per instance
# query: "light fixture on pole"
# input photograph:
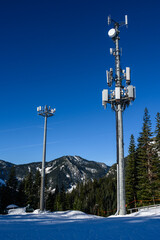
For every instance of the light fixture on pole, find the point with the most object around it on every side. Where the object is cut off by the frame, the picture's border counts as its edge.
(119, 98)
(44, 112)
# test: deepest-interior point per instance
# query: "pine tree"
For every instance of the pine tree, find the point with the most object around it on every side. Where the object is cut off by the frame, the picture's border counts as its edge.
(21, 196)
(36, 187)
(157, 132)
(156, 158)
(4, 198)
(50, 201)
(63, 199)
(57, 203)
(131, 175)
(145, 160)
(12, 181)
(29, 190)
(12, 184)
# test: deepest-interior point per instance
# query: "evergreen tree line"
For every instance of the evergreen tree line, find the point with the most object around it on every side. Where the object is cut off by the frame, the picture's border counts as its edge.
(143, 165)
(94, 197)
(20, 193)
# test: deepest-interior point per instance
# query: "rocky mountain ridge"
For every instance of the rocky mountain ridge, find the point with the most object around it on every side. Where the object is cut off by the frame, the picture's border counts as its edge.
(66, 170)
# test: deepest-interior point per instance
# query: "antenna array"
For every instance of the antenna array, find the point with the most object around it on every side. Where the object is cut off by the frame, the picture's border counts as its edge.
(119, 97)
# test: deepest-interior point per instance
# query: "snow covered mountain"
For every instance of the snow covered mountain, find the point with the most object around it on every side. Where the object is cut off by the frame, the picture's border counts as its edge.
(67, 170)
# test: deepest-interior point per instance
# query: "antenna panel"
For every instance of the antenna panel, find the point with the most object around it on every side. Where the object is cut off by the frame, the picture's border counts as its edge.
(126, 19)
(131, 92)
(53, 110)
(111, 51)
(107, 76)
(128, 74)
(134, 92)
(104, 96)
(117, 93)
(109, 20)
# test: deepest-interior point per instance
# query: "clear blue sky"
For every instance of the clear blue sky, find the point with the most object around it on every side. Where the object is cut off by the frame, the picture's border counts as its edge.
(56, 53)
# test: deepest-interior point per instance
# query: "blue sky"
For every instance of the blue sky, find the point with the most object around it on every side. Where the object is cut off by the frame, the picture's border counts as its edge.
(56, 53)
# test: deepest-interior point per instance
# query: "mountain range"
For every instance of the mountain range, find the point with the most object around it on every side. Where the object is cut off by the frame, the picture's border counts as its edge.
(66, 170)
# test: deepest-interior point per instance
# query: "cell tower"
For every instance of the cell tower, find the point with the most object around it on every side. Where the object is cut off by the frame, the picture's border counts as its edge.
(44, 112)
(119, 98)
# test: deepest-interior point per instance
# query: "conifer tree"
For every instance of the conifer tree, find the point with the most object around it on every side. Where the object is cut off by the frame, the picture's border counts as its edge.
(157, 132)
(36, 192)
(12, 184)
(63, 199)
(156, 158)
(29, 191)
(50, 201)
(12, 181)
(131, 174)
(21, 196)
(4, 198)
(145, 160)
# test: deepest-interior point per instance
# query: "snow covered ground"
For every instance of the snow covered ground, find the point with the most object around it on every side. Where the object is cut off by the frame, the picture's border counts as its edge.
(75, 225)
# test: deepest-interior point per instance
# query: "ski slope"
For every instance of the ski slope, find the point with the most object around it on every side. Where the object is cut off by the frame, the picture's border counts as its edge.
(77, 225)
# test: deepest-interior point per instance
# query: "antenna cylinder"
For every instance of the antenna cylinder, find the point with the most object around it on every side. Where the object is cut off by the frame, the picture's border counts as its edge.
(128, 75)
(126, 20)
(109, 20)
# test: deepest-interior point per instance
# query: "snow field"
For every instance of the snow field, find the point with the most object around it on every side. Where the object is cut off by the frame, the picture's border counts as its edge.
(76, 225)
